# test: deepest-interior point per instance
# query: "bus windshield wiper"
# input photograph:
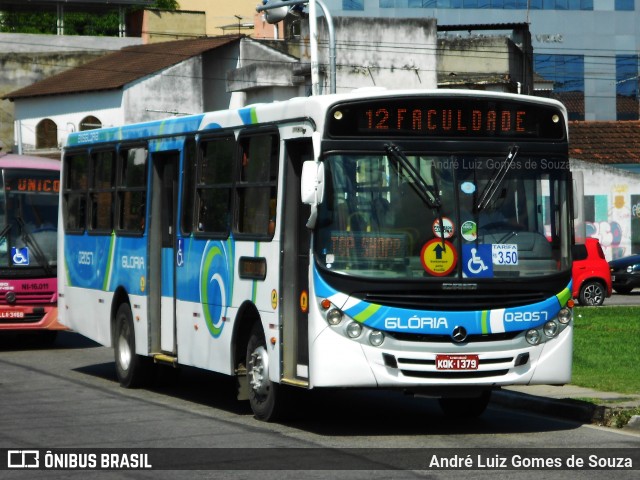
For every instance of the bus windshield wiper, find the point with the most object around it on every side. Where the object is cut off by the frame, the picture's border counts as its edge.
(424, 191)
(429, 194)
(28, 239)
(5, 230)
(493, 185)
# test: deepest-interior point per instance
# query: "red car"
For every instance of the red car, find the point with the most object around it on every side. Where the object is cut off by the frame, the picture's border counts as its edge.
(591, 273)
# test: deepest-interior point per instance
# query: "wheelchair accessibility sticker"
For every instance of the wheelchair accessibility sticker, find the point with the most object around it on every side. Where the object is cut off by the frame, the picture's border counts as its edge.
(477, 261)
(20, 256)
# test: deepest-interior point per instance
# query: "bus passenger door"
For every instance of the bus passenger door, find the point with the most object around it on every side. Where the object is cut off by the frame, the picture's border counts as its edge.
(295, 270)
(162, 238)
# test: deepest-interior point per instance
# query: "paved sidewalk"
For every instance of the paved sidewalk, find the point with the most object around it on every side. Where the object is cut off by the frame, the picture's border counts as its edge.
(570, 401)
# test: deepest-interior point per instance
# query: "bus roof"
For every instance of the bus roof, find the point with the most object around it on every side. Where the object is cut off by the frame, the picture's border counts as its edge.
(12, 160)
(295, 108)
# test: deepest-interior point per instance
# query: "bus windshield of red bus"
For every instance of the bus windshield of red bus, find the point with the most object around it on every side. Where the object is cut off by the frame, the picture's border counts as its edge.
(29, 219)
(415, 216)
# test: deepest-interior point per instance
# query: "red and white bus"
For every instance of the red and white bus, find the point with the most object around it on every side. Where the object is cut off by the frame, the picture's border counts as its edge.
(28, 244)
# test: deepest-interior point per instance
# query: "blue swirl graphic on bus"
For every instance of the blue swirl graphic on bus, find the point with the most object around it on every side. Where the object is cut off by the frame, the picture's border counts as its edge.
(477, 322)
(215, 284)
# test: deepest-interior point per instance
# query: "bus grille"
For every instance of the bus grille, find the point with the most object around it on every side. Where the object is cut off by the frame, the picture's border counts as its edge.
(426, 369)
(455, 375)
(26, 298)
(416, 337)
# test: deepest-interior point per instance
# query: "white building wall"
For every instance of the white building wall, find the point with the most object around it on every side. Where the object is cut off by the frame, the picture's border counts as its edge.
(177, 89)
(615, 216)
(381, 52)
(67, 111)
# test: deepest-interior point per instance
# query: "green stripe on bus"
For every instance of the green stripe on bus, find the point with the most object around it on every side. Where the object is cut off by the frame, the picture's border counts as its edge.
(485, 324)
(107, 275)
(564, 296)
(366, 313)
(254, 293)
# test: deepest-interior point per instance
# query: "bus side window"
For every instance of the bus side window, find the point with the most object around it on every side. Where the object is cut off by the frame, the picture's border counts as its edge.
(188, 179)
(214, 182)
(132, 190)
(102, 191)
(76, 182)
(256, 191)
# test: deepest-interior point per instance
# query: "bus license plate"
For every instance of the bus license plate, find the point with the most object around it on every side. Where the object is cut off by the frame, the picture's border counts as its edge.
(457, 362)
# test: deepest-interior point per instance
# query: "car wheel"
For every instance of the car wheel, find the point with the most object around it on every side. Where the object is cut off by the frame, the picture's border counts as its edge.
(592, 293)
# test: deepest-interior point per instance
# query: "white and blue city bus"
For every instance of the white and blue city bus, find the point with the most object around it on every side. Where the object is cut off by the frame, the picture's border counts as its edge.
(411, 240)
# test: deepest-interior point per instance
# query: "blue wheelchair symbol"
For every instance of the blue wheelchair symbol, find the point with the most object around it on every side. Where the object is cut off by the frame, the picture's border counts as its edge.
(20, 256)
(180, 253)
(477, 261)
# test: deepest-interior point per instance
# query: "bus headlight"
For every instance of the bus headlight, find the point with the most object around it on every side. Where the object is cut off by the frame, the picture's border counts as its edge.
(334, 316)
(564, 316)
(550, 328)
(376, 338)
(354, 329)
(533, 337)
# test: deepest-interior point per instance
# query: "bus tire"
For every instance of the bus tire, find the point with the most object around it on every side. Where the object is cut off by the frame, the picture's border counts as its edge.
(264, 395)
(132, 370)
(467, 407)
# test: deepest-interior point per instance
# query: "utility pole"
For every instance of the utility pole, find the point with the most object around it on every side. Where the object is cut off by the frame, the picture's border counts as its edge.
(283, 5)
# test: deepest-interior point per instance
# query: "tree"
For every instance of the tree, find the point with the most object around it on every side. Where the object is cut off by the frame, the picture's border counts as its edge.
(75, 23)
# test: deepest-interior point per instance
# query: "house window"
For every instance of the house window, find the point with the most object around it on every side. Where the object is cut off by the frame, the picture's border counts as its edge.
(46, 134)
(89, 123)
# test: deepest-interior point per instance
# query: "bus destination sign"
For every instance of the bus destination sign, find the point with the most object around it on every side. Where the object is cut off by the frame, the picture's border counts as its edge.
(440, 117)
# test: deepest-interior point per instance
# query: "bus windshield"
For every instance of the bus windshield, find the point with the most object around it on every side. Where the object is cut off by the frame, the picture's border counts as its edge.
(28, 219)
(399, 215)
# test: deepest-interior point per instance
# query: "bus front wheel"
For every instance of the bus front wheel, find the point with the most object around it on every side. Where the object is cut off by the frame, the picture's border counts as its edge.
(132, 370)
(264, 395)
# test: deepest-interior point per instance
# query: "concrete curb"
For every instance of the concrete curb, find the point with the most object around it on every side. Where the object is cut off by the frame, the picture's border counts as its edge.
(634, 423)
(565, 408)
(568, 408)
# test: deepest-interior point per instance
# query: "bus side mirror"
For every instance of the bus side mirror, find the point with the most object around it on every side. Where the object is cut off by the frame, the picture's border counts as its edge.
(312, 188)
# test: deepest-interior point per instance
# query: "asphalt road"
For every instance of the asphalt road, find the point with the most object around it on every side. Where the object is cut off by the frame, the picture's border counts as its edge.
(632, 298)
(67, 397)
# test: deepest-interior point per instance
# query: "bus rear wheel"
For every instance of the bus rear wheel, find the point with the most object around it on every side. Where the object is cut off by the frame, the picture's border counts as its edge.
(466, 407)
(133, 370)
(264, 395)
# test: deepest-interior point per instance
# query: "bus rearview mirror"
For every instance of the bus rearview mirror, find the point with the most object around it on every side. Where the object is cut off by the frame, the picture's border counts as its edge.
(312, 187)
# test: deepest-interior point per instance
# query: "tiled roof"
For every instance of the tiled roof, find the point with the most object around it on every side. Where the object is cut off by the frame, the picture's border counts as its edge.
(605, 142)
(117, 69)
(573, 101)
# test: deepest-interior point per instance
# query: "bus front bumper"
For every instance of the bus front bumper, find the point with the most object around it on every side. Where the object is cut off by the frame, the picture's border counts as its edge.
(341, 362)
(29, 318)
